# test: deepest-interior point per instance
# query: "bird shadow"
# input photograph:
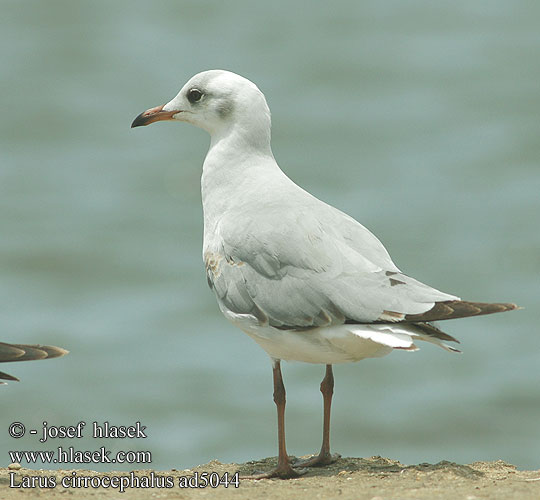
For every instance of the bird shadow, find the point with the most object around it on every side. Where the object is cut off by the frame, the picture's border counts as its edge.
(376, 465)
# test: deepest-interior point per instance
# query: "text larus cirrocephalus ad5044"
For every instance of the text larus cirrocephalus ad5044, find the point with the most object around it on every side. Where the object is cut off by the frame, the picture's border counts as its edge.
(306, 281)
(25, 352)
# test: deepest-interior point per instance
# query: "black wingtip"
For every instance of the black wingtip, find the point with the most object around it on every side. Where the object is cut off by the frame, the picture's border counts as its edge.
(7, 376)
(454, 309)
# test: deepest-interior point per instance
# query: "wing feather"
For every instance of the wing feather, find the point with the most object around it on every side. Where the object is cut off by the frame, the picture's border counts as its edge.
(302, 271)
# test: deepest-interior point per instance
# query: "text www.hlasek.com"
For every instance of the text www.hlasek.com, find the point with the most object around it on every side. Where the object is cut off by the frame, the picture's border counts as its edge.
(72, 456)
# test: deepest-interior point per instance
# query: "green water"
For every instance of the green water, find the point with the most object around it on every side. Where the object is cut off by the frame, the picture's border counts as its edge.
(420, 119)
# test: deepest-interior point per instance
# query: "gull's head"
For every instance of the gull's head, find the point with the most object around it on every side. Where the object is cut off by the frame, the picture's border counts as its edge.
(218, 102)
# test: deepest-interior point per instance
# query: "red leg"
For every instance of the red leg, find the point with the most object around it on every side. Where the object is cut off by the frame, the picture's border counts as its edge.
(284, 469)
(324, 457)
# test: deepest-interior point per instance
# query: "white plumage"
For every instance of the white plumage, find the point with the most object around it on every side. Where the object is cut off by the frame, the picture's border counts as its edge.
(304, 280)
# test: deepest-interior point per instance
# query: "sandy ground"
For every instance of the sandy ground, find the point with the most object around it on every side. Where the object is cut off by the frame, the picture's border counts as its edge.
(374, 478)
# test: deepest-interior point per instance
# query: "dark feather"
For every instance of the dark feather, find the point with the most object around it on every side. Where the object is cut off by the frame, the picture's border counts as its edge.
(431, 330)
(24, 352)
(452, 309)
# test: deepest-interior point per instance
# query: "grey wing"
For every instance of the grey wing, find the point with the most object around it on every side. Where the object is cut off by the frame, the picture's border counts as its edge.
(24, 352)
(301, 271)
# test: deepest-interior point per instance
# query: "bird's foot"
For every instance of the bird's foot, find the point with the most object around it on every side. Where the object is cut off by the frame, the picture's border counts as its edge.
(282, 471)
(318, 460)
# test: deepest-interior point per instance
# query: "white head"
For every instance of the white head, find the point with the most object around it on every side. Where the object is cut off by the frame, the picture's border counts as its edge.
(220, 102)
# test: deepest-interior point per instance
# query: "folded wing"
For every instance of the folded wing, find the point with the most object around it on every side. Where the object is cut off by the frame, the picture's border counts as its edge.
(24, 352)
(308, 267)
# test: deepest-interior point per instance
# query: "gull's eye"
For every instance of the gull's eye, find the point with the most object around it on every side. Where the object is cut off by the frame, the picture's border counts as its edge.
(194, 95)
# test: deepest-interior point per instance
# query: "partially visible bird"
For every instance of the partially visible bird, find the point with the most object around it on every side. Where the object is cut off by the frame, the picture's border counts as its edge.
(24, 352)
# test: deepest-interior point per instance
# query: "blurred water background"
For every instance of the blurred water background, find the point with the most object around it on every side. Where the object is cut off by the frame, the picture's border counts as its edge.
(420, 119)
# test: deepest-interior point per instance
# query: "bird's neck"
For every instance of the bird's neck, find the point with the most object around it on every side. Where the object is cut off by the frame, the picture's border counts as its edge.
(234, 166)
(236, 150)
(251, 135)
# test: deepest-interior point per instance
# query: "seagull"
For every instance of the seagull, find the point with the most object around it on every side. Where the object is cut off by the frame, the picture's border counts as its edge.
(24, 352)
(304, 280)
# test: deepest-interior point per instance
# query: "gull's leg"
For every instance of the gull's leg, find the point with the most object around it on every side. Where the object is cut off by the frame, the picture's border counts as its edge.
(324, 457)
(283, 469)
